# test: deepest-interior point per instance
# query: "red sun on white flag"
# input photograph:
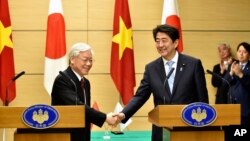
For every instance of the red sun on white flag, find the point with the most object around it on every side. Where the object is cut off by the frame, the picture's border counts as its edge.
(170, 16)
(55, 53)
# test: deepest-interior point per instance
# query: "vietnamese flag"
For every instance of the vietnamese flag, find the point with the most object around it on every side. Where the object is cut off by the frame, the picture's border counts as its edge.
(55, 54)
(170, 16)
(122, 53)
(7, 67)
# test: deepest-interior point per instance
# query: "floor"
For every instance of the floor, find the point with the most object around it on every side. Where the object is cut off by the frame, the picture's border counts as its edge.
(126, 136)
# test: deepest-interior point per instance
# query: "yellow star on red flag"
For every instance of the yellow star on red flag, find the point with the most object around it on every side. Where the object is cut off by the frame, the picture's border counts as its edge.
(122, 68)
(5, 39)
(123, 38)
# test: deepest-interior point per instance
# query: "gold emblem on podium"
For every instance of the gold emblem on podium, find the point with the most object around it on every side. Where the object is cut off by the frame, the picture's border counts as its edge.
(41, 116)
(198, 114)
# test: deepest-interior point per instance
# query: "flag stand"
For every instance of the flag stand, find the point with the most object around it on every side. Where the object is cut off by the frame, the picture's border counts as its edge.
(3, 134)
(118, 108)
(117, 132)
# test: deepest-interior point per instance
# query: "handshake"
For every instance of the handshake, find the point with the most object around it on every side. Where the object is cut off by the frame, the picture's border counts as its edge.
(113, 119)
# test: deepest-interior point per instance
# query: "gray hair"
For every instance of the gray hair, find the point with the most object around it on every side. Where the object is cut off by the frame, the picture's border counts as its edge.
(78, 47)
(224, 44)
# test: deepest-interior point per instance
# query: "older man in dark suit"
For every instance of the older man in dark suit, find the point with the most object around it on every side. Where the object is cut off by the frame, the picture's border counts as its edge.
(182, 85)
(72, 88)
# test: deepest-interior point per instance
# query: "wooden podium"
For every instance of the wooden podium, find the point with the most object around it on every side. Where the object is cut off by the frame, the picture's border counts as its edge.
(175, 129)
(69, 117)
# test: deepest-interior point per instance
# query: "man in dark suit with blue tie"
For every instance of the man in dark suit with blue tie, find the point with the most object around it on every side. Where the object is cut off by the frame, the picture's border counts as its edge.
(188, 82)
(239, 78)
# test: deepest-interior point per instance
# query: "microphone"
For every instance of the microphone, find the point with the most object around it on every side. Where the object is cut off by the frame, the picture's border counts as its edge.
(18, 75)
(168, 75)
(68, 78)
(215, 74)
(8, 85)
(223, 79)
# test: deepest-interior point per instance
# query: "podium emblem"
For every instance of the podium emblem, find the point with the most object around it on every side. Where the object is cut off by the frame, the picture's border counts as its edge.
(40, 116)
(198, 114)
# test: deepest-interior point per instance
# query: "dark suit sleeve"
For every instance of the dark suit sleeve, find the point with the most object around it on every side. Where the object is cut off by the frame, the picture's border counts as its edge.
(141, 96)
(216, 82)
(63, 93)
(96, 117)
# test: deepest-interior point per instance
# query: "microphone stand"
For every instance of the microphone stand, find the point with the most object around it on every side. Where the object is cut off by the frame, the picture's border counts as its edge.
(167, 77)
(6, 103)
(71, 81)
(229, 99)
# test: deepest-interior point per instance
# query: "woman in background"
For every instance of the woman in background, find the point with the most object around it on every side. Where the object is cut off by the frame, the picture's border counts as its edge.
(226, 59)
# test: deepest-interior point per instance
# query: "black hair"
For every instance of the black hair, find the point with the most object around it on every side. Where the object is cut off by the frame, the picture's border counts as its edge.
(171, 31)
(245, 45)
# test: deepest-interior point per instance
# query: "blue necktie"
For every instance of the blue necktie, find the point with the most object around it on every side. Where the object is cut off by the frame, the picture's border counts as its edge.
(242, 66)
(171, 78)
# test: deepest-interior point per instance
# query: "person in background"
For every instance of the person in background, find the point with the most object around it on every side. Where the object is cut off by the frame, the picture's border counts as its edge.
(72, 88)
(226, 59)
(239, 78)
(184, 84)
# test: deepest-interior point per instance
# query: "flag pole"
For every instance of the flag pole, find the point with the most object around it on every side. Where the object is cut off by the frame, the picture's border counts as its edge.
(6, 54)
(3, 134)
(118, 109)
(120, 124)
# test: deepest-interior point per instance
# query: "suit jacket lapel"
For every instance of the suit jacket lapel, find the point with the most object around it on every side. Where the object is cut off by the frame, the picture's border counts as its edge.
(246, 69)
(179, 71)
(77, 82)
(160, 69)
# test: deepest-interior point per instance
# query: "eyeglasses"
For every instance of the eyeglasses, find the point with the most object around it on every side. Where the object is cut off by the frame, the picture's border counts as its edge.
(86, 60)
